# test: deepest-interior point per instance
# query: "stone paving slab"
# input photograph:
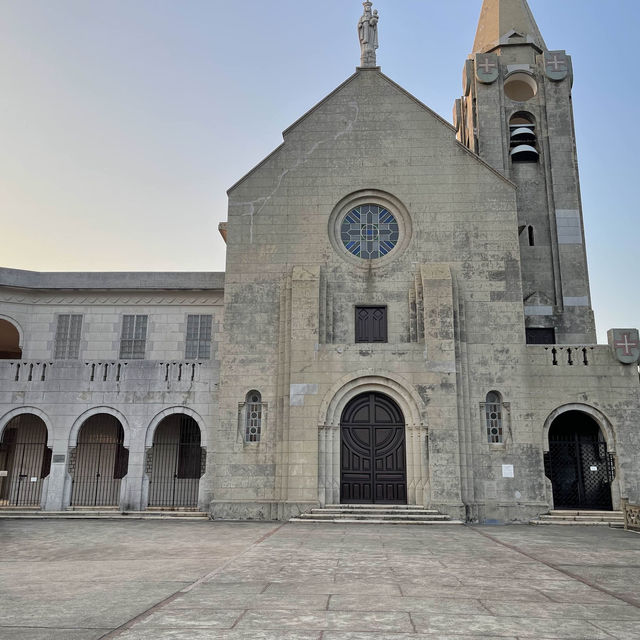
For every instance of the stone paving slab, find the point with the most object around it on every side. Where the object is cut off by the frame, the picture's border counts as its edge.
(500, 626)
(46, 633)
(163, 580)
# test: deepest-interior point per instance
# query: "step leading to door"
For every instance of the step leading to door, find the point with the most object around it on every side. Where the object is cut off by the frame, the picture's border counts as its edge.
(374, 514)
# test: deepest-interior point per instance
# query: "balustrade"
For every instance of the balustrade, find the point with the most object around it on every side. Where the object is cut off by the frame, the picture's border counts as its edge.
(631, 516)
(32, 372)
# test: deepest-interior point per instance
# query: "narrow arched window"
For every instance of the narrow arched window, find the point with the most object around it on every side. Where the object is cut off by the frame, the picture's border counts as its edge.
(493, 414)
(532, 237)
(253, 417)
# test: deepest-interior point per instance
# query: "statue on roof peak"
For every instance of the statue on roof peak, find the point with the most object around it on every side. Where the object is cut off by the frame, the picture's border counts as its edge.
(368, 35)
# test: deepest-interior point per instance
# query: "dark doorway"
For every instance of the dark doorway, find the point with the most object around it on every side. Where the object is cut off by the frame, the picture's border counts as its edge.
(98, 463)
(175, 463)
(540, 336)
(372, 452)
(578, 464)
(25, 461)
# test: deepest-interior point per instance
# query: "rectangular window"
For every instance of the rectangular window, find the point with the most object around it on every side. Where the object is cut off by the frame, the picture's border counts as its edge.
(67, 346)
(541, 336)
(198, 337)
(133, 340)
(371, 324)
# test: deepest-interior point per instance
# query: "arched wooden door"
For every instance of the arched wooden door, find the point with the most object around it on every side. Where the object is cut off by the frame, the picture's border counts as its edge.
(372, 451)
(578, 464)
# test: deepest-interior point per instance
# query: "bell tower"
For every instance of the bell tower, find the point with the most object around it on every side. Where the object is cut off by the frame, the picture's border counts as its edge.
(516, 114)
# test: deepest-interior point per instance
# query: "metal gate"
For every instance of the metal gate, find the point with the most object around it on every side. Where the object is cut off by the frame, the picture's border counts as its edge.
(25, 461)
(581, 472)
(98, 463)
(175, 463)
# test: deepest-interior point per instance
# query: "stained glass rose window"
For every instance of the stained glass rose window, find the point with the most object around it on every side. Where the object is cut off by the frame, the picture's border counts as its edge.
(369, 231)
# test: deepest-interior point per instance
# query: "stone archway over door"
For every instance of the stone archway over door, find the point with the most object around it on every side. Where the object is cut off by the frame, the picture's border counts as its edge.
(578, 464)
(372, 451)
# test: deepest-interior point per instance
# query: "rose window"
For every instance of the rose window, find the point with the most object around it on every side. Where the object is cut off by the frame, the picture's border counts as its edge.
(369, 231)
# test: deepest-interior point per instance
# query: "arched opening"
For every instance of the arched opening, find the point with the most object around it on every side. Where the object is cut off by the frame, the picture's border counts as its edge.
(578, 464)
(25, 461)
(531, 236)
(9, 341)
(175, 463)
(522, 138)
(98, 463)
(372, 451)
(520, 87)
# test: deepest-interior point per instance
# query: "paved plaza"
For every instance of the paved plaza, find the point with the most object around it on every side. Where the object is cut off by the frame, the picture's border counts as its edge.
(180, 580)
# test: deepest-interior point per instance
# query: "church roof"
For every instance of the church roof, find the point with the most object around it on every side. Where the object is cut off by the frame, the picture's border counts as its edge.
(397, 87)
(501, 20)
(95, 280)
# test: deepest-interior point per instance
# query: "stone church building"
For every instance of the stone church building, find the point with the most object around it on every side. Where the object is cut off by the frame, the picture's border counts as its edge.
(405, 317)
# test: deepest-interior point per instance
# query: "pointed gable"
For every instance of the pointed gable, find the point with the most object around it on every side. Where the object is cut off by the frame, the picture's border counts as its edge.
(366, 99)
(502, 20)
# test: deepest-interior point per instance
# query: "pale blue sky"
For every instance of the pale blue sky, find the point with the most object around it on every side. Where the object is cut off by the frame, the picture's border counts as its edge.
(123, 122)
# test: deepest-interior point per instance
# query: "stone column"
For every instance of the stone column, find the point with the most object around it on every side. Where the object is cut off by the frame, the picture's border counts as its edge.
(322, 465)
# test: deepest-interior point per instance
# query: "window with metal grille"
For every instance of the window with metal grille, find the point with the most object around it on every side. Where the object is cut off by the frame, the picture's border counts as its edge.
(133, 340)
(493, 415)
(371, 324)
(198, 337)
(67, 343)
(253, 417)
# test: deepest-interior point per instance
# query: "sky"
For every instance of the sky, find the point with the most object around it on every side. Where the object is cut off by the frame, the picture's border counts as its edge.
(124, 122)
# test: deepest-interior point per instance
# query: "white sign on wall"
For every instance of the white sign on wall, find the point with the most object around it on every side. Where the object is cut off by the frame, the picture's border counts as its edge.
(507, 471)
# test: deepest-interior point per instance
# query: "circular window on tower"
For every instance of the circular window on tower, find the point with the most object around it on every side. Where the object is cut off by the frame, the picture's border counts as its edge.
(369, 231)
(520, 87)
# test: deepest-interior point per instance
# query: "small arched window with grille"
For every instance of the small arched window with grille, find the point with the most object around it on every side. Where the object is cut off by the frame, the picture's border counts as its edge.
(523, 139)
(493, 409)
(253, 417)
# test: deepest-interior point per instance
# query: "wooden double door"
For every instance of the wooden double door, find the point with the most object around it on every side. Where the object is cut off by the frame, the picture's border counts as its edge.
(372, 451)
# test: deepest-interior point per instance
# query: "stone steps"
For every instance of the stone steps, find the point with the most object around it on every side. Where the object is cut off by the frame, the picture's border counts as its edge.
(100, 514)
(581, 517)
(374, 514)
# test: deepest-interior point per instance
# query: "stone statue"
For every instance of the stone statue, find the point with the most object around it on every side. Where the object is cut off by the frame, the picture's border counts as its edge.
(368, 34)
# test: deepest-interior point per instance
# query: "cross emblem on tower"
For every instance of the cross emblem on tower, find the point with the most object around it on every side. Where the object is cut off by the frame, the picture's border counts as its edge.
(487, 66)
(557, 63)
(627, 343)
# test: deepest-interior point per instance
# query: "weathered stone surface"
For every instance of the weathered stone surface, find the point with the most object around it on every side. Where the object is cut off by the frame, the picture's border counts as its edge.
(487, 247)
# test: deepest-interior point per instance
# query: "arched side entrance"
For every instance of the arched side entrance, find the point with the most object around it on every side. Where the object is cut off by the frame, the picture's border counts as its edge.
(578, 463)
(175, 463)
(25, 461)
(98, 462)
(372, 451)
(10, 340)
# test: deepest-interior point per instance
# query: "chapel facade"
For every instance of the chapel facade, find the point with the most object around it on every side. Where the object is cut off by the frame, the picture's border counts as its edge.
(404, 318)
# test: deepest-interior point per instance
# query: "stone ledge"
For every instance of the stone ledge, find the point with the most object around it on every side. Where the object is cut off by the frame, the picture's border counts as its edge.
(257, 509)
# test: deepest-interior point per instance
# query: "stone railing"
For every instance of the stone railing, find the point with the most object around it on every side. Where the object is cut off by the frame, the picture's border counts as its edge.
(631, 515)
(570, 355)
(31, 372)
